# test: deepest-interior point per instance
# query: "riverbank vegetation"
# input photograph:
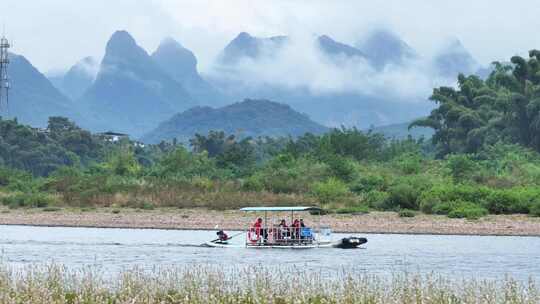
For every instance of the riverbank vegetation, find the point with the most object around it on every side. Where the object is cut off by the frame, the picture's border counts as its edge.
(55, 284)
(484, 158)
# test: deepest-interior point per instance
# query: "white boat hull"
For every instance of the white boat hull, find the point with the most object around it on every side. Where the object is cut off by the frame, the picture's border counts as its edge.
(345, 243)
(298, 246)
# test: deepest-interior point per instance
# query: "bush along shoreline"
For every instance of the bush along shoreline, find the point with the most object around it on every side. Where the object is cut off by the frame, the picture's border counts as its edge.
(484, 158)
(399, 176)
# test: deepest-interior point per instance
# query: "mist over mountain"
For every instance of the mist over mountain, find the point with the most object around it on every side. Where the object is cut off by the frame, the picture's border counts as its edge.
(245, 46)
(181, 64)
(384, 47)
(33, 98)
(382, 80)
(455, 59)
(333, 82)
(334, 48)
(378, 81)
(247, 118)
(131, 92)
(77, 79)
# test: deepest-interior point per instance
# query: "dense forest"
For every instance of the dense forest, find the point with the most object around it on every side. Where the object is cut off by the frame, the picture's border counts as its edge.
(484, 158)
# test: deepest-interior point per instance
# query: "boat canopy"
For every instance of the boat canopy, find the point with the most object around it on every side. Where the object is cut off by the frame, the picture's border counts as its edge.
(276, 209)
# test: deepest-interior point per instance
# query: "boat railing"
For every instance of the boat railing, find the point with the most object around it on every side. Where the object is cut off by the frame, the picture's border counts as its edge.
(280, 236)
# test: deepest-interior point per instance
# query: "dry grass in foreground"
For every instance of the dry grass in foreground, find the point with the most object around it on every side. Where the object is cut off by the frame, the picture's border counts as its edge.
(54, 284)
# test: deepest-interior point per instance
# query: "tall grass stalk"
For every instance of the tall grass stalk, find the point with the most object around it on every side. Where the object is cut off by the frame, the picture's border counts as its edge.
(57, 284)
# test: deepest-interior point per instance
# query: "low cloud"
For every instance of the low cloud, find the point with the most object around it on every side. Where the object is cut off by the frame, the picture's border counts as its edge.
(491, 29)
(89, 66)
(301, 64)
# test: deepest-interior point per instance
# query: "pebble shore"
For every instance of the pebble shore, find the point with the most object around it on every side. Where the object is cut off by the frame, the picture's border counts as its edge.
(373, 222)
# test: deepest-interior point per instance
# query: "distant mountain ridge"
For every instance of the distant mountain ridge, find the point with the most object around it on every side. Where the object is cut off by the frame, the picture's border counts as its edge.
(456, 59)
(332, 47)
(383, 52)
(131, 92)
(380, 48)
(33, 99)
(247, 118)
(384, 47)
(181, 64)
(246, 46)
(77, 79)
(332, 108)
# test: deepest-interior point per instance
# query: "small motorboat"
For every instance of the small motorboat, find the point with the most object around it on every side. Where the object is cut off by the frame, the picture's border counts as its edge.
(267, 234)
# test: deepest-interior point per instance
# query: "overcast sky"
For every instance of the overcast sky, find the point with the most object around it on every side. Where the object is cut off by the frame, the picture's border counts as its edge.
(53, 34)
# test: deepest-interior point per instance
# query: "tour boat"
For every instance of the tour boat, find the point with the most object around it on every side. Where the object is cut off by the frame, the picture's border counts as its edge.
(268, 233)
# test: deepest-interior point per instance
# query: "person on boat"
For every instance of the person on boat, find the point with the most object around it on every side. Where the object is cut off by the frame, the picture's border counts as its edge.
(302, 228)
(258, 226)
(284, 229)
(223, 237)
(259, 230)
(295, 229)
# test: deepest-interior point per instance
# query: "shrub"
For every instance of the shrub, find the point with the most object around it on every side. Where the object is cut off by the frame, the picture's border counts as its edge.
(147, 206)
(420, 182)
(376, 199)
(340, 167)
(534, 208)
(368, 183)
(35, 200)
(330, 191)
(410, 163)
(406, 213)
(362, 209)
(428, 200)
(467, 210)
(52, 209)
(116, 211)
(253, 183)
(40, 200)
(283, 175)
(202, 183)
(443, 207)
(124, 163)
(182, 163)
(402, 196)
(444, 193)
(461, 166)
(15, 180)
(515, 200)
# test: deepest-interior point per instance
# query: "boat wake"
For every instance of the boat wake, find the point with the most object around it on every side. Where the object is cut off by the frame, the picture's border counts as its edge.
(93, 244)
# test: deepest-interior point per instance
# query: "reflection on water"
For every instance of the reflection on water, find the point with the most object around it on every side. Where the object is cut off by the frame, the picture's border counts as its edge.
(117, 249)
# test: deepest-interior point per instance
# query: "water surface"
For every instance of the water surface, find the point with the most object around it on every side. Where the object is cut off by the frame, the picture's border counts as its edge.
(114, 250)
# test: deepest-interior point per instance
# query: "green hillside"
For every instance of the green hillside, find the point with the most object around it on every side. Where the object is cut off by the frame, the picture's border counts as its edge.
(247, 118)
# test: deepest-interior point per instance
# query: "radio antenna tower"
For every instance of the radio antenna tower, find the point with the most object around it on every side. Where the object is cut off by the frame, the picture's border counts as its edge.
(4, 79)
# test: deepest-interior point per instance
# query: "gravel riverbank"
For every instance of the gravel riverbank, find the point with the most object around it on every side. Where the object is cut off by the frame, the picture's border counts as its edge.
(374, 222)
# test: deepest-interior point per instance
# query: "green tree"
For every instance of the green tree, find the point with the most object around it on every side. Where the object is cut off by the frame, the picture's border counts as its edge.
(330, 191)
(504, 107)
(124, 163)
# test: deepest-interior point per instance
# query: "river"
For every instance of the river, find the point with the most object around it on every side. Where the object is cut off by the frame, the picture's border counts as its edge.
(114, 250)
